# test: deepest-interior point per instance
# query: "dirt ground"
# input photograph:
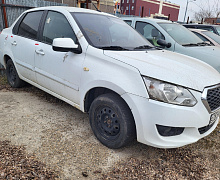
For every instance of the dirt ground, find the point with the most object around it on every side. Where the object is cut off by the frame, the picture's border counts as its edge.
(59, 136)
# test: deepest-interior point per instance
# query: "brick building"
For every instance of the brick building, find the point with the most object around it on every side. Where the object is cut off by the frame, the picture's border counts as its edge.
(105, 5)
(212, 20)
(150, 8)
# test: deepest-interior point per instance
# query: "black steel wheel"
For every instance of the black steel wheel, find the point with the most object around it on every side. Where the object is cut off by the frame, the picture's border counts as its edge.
(112, 121)
(107, 122)
(12, 75)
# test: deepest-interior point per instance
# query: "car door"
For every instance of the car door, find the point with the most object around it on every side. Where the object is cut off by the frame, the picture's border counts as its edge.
(23, 44)
(148, 31)
(58, 72)
(152, 34)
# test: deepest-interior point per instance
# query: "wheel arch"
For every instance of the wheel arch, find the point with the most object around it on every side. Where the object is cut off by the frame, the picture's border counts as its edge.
(94, 93)
(6, 58)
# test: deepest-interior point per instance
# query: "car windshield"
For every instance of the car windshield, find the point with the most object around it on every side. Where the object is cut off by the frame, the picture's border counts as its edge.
(218, 29)
(180, 34)
(109, 33)
(213, 36)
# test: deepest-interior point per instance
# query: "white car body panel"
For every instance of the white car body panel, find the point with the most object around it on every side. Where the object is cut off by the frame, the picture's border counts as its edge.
(71, 76)
(149, 64)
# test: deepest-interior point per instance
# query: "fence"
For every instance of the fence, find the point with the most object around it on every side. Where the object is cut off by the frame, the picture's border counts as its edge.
(11, 9)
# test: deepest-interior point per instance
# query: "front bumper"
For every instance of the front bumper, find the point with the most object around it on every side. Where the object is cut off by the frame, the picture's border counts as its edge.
(147, 113)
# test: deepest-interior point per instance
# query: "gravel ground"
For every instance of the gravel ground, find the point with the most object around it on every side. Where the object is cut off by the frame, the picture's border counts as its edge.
(42, 137)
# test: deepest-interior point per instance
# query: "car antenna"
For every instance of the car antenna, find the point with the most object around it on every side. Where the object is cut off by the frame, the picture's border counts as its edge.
(95, 7)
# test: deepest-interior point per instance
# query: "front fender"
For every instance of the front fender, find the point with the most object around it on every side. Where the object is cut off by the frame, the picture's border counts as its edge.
(99, 84)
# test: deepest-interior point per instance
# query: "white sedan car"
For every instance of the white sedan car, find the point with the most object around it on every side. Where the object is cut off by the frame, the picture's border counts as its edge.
(207, 36)
(102, 66)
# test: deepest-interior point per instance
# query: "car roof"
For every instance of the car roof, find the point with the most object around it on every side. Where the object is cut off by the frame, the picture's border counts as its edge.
(197, 30)
(69, 9)
(214, 25)
(147, 18)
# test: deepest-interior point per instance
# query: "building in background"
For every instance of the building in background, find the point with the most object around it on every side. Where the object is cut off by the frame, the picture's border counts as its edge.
(212, 21)
(105, 5)
(150, 8)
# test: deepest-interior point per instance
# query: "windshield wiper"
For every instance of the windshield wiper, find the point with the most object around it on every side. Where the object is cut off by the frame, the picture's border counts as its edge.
(144, 47)
(118, 48)
(204, 44)
(190, 44)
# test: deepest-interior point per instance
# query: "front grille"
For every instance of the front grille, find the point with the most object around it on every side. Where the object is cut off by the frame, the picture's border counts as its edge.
(213, 98)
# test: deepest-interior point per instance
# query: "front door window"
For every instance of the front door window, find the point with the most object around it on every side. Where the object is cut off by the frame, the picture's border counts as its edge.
(149, 32)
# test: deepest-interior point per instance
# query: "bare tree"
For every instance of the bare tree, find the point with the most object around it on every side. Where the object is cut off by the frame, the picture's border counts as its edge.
(208, 9)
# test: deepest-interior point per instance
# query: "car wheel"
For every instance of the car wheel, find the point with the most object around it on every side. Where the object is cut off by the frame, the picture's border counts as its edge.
(12, 75)
(112, 121)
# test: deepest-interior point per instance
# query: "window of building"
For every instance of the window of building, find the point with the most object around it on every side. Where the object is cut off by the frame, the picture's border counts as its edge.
(132, 1)
(127, 8)
(132, 7)
(127, 1)
(57, 26)
(122, 1)
(29, 26)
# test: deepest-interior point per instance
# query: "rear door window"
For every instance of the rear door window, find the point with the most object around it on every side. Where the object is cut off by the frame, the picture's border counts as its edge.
(30, 24)
(57, 26)
(128, 22)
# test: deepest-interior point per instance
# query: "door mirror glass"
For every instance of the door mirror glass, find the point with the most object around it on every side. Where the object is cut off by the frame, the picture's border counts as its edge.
(66, 45)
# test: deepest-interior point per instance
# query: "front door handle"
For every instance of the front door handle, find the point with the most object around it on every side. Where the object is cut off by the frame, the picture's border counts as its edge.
(14, 43)
(40, 51)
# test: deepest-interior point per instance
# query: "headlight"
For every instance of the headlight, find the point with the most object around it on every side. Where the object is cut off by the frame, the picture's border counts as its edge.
(169, 93)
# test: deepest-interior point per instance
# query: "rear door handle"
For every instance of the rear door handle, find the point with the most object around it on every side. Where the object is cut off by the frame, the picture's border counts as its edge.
(14, 43)
(40, 51)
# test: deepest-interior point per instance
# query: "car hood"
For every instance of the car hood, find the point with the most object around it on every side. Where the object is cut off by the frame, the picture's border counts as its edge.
(208, 54)
(170, 67)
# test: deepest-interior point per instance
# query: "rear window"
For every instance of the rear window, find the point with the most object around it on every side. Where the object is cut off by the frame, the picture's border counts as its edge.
(29, 25)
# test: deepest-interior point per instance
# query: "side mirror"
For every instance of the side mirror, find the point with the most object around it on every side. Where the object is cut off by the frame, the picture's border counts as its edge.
(66, 45)
(162, 42)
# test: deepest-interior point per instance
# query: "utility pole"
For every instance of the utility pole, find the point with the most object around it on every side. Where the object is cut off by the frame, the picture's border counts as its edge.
(188, 1)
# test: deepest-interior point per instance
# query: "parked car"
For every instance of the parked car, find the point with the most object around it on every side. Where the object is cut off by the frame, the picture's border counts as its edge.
(209, 27)
(100, 65)
(174, 37)
(207, 36)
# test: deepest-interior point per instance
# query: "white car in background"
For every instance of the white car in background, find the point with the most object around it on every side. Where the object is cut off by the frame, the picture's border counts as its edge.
(175, 37)
(100, 65)
(207, 36)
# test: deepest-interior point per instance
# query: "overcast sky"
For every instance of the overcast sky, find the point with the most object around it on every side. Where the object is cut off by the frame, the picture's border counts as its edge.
(192, 7)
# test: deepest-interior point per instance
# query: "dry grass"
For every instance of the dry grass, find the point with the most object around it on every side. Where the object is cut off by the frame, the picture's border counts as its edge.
(200, 160)
(3, 80)
(15, 164)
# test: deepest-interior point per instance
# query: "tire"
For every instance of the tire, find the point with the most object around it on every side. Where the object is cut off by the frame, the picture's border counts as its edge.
(12, 75)
(112, 121)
